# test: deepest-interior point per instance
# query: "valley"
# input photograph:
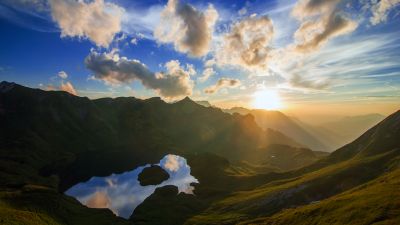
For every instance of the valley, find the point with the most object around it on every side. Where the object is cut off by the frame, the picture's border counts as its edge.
(275, 178)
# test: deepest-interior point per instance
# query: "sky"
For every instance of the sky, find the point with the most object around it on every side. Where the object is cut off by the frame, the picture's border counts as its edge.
(305, 57)
(122, 193)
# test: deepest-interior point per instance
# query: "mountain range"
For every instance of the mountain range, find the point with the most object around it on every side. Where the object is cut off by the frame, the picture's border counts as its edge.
(324, 137)
(248, 173)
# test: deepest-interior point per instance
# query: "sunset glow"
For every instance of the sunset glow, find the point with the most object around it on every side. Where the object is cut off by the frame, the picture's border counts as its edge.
(267, 99)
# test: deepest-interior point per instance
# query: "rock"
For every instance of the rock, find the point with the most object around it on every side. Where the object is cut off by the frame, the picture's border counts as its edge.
(153, 175)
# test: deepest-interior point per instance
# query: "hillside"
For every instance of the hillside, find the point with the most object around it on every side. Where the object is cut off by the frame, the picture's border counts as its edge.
(276, 120)
(329, 138)
(51, 140)
(373, 155)
(376, 202)
(351, 127)
(74, 137)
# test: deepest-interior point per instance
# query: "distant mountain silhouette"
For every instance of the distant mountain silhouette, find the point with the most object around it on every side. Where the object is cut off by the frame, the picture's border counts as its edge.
(54, 132)
(358, 171)
(351, 127)
(325, 137)
(204, 103)
(278, 121)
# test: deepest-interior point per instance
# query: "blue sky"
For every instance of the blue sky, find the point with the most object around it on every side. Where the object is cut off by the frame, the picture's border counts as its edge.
(122, 193)
(332, 56)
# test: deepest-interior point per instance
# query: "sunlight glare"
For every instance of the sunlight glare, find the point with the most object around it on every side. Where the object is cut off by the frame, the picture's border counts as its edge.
(267, 99)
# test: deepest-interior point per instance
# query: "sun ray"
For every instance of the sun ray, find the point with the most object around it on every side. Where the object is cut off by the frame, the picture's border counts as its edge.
(267, 99)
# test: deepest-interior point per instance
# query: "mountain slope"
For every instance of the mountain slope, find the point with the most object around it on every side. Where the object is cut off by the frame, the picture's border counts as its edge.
(50, 140)
(376, 202)
(351, 127)
(328, 137)
(279, 121)
(372, 155)
(46, 133)
(289, 158)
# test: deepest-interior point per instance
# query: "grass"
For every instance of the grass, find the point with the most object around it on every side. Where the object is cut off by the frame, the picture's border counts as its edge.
(274, 196)
(376, 202)
(41, 205)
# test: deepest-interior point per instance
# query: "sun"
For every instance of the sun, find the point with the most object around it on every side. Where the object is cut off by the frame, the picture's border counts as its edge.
(267, 99)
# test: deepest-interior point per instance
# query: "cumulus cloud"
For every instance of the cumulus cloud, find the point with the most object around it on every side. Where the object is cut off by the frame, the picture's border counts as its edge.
(63, 75)
(222, 83)
(68, 88)
(172, 163)
(207, 73)
(109, 67)
(190, 69)
(99, 200)
(380, 10)
(298, 81)
(307, 8)
(320, 22)
(96, 20)
(247, 44)
(189, 29)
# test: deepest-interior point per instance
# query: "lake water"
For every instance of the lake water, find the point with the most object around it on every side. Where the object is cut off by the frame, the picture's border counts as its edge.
(122, 193)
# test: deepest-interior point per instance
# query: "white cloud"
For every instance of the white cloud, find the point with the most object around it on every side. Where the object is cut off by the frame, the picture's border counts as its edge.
(134, 41)
(299, 81)
(189, 29)
(380, 10)
(172, 163)
(99, 200)
(342, 62)
(207, 73)
(113, 69)
(63, 75)
(222, 83)
(96, 20)
(320, 22)
(68, 87)
(247, 44)
(191, 70)
(242, 11)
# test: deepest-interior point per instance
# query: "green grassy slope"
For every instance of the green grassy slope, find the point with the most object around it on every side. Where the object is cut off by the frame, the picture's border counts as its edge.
(31, 205)
(52, 140)
(376, 202)
(367, 158)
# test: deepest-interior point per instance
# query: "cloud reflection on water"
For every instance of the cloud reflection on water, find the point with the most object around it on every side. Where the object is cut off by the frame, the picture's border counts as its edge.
(122, 193)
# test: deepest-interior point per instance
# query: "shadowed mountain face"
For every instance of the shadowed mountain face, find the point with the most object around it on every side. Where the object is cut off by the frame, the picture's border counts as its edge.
(76, 138)
(290, 158)
(359, 165)
(52, 140)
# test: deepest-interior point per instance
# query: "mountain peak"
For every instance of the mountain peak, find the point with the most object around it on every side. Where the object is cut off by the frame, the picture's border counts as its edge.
(187, 101)
(6, 86)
